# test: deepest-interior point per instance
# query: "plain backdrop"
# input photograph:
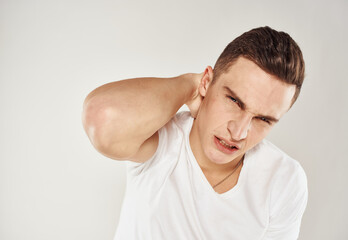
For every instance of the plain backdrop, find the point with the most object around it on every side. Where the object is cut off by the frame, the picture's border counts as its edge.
(55, 185)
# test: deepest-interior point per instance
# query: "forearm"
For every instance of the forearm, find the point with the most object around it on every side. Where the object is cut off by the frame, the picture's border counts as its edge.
(122, 115)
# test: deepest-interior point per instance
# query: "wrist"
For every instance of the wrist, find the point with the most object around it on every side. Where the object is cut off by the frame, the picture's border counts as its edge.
(190, 85)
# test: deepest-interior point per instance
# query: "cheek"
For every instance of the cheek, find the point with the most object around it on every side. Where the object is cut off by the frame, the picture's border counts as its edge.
(209, 110)
(257, 133)
(218, 109)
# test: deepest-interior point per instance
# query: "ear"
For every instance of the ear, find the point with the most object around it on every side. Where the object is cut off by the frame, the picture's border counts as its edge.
(206, 81)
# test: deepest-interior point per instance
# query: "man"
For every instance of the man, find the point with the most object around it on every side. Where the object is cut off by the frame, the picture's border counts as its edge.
(208, 173)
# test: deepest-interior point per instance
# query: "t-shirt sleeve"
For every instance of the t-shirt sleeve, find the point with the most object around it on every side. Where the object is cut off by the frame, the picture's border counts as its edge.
(288, 202)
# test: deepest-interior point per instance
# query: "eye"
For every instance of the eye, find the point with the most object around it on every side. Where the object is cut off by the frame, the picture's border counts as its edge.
(234, 100)
(265, 120)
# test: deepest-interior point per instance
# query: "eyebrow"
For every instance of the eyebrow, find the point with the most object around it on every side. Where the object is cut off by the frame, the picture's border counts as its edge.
(244, 107)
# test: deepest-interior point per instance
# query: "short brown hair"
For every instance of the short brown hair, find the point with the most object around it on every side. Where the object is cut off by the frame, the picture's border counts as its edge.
(274, 52)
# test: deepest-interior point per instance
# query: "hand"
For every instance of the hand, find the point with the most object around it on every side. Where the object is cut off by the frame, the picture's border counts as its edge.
(194, 103)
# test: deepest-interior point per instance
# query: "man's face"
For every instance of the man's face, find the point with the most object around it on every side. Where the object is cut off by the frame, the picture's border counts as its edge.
(238, 109)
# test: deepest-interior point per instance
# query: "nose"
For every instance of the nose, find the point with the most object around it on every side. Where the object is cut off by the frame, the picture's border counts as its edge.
(240, 126)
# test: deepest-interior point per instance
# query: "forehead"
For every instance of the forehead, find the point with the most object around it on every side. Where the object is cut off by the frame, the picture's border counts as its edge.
(261, 92)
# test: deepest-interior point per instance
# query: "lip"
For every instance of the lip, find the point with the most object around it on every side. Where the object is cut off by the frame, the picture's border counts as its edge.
(228, 142)
(224, 149)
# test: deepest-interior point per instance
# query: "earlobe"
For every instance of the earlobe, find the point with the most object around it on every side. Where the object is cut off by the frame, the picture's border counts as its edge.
(206, 81)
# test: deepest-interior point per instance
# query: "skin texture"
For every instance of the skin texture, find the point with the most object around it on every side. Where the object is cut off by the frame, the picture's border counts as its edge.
(221, 116)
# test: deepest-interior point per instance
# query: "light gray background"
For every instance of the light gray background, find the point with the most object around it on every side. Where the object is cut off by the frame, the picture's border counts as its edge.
(54, 185)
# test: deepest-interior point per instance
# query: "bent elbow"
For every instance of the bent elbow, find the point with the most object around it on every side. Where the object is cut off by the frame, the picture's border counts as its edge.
(100, 124)
(94, 115)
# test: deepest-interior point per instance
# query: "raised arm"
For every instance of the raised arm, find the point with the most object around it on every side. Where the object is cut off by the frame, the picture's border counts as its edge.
(122, 118)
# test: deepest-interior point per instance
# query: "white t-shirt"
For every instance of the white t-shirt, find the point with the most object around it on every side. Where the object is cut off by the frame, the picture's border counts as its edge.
(169, 197)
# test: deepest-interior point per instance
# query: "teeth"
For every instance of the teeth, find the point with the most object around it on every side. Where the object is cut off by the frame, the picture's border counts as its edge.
(226, 145)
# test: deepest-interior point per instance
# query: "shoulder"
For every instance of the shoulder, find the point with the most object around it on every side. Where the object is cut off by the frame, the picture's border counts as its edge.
(283, 174)
(181, 119)
(177, 126)
(289, 190)
(288, 193)
(269, 154)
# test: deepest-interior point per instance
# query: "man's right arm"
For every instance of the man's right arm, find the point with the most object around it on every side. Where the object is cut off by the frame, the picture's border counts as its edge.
(122, 118)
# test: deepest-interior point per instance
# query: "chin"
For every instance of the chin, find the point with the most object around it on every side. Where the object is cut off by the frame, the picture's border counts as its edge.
(218, 158)
(225, 159)
(222, 162)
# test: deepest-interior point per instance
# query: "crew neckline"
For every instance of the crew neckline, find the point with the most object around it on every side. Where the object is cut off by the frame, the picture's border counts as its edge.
(242, 174)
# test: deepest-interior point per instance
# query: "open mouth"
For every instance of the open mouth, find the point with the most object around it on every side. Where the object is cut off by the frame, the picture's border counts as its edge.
(226, 145)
